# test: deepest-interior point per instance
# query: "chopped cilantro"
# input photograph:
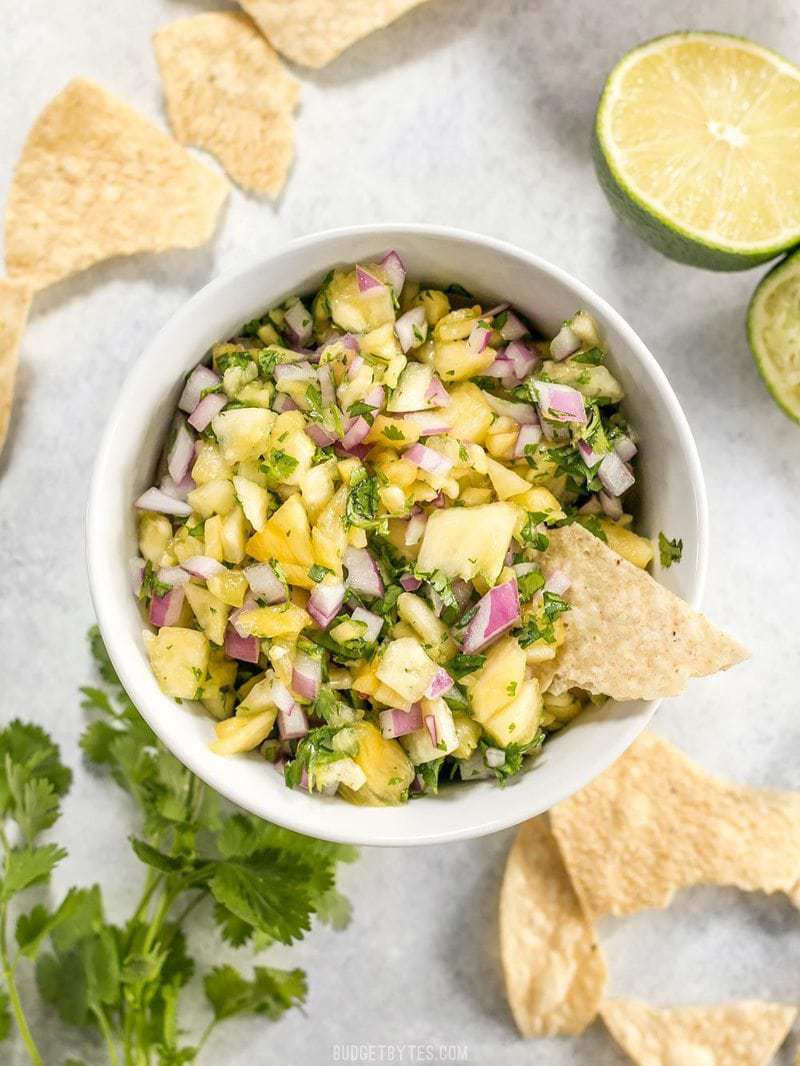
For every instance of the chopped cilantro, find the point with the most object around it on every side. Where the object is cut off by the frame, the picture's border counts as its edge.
(361, 508)
(461, 665)
(670, 551)
(317, 572)
(591, 357)
(393, 433)
(529, 584)
(529, 534)
(278, 465)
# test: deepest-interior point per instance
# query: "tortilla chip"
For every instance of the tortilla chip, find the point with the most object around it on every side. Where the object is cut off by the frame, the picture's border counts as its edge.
(313, 32)
(628, 637)
(96, 180)
(554, 969)
(228, 92)
(656, 822)
(733, 1034)
(15, 301)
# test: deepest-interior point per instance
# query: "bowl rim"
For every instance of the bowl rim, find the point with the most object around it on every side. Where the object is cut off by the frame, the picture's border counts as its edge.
(95, 543)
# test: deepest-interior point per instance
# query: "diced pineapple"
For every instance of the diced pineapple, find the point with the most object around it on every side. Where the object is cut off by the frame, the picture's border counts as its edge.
(595, 382)
(253, 471)
(155, 533)
(465, 541)
(420, 744)
(629, 545)
(411, 393)
(254, 501)
(357, 312)
(517, 722)
(243, 432)
(256, 394)
(435, 303)
(258, 696)
(220, 678)
(230, 586)
(457, 325)
(498, 681)
(400, 472)
(301, 448)
(381, 342)
(474, 497)
(329, 535)
(209, 464)
(558, 710)
(393, 369)
(287, 422)
(270, 544)
(281, 620)
(396, 433)
(468, 732)
(393, 499)
(385, 765)
(316, 488)
(468, 413)
(291, 519)
(457, 361)
(236, 377)
(209, 610)
(184, 545)
(432, 631)
(234, 536)
(350, 469)
(212, 538)
(236, 735)
(214, 497)
(345, 772)
(367, 684)
(504, 481)
(406, 667)
(541, 500)
(179, 659)
(501, 438)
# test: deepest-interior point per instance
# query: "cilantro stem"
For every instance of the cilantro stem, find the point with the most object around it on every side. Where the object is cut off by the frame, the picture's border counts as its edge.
(11, 984)
(108, 1035)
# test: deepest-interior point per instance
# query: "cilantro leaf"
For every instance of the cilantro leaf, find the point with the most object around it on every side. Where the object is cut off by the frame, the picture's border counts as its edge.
(362, 504)
(271, 992)
(670, 551)
(529, 584)
(461, 665)
(28, 866)
(28, 754)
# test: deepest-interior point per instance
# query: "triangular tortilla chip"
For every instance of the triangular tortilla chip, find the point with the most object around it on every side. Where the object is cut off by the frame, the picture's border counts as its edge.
(656, 822)
(628, 637)
(733, 1034)
(15, 301)
(228, 92)
(96, 180)
(554, 969)
(313, 32)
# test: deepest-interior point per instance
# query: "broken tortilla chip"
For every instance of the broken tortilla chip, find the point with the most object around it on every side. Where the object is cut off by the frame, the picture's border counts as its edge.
(228, 92)
(731, 1034)
(554, 969)
(15, 301)
(628, 637)
(656, 822)
(96, 180)
(313, 32)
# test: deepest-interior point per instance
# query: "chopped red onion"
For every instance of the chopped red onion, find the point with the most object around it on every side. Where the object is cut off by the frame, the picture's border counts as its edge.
(207, 410)
(350, 341)
(523, 359)
(283, 402)
(395, 271)
(411, 328)
(376, 397)
(367, 284)
(430, 725)
(503, 369)
(497, 612)
(415, 527)
(363, 574)
(249, 604)
(553, 431)
(281, 696)
(520, 412)
(294, 372)
(462, 590)
(611, 505)
(373, 622)
(299, 322)
(431, 423)
(156, 500)
(479, 338)
(306, 675)
(180, 454)
(513, 328)
(495, 758)
(320, 436)
(437, 393)
(625, 449)
(520, 569)
(496, 310)
(202, 566)
(615, 475)
(355, 365)
(410, 583)
(357, 429)
(442, 682)
(557, 582)
(292, 723)
(175, 576)
(166, 610)
(324, 603)
(588, 454)
(265, 583)
(136, 569)
(179, 490)
(592, 506)
(200, 379)
(561, 403)
(564, 344)
(428, 460)
(528, 436)
(326, 386)
(245, 649)
(396, 723)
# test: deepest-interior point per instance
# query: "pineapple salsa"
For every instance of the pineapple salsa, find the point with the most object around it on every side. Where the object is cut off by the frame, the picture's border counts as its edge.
(345, 557)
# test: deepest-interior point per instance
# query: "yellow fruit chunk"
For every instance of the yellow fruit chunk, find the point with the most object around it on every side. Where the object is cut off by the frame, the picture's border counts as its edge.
(498, 681)
(456, 361)
(406, 668)
(179, 658)
(504, 481)
(281, 620)
(236, 735)
(629, 545)
(468, 413)
(385, 766)
(466, 541)
(230, 586)
(291, 519)
(517, 722)
(395, 433)
(209, 610)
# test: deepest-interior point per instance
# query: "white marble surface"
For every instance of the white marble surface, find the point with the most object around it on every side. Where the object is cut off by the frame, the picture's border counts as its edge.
(477, 115)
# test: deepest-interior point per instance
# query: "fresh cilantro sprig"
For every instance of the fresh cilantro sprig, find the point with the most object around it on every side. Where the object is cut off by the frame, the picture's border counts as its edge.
(260, 883)
(670, 551)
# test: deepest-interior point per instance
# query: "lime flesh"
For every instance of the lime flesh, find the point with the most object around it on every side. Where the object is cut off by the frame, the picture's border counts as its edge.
(773, 330)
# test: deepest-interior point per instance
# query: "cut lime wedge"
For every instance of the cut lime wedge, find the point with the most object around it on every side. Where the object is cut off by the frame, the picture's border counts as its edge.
(697, 145)
(773, 330)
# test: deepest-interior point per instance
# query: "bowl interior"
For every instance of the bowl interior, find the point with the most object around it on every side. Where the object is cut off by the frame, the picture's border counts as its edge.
(671, 498)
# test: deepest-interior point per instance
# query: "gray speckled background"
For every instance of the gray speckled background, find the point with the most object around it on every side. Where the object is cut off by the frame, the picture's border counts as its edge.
(477, 115)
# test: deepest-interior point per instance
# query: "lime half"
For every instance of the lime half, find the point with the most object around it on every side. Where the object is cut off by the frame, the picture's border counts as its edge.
(773, 329)
(697, 146)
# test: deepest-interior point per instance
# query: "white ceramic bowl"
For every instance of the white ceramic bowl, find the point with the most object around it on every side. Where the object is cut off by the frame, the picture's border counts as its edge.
(671, 497)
